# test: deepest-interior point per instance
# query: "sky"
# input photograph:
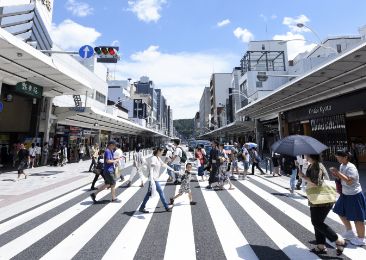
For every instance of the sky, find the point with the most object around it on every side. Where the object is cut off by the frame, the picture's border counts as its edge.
(180, 43)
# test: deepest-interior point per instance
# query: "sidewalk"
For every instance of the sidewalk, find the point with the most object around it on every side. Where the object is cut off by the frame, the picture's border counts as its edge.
(43, 184)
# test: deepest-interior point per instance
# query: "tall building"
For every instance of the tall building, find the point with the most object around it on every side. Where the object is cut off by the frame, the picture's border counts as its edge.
(205, 110)
(146, 86)
(219, 91)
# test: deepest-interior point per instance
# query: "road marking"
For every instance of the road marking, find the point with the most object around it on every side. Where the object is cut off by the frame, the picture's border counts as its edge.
(233, 242)
(289, 244)
(302, 219)
(127, 242)
(17, 221)
(180, 231)
(19, 244)
(71, 245)
(297, 198)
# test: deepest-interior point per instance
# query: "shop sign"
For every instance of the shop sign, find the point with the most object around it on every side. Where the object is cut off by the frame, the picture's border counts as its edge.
(29, 89)
(333, 106)
(320, 110)
(87, 132)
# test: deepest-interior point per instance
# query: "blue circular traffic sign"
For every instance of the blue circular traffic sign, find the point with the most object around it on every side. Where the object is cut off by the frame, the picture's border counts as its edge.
(86, 51)
(1, 106)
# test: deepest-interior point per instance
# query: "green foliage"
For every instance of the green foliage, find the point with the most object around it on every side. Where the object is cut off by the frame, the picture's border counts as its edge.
(185, 127)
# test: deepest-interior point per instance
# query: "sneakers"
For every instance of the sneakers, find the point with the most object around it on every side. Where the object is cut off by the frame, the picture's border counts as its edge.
(143, 211)
(116, 201)
(193, 203)
(169, 208)
(348, 235)
(358, 241)
(209, 187)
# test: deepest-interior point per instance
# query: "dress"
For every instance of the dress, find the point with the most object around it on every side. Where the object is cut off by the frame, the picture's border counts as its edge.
(185, 186)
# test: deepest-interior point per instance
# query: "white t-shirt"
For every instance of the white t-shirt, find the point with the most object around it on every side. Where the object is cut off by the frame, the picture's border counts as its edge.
(38, 150)
(119, 154)
(300, 160)
(350, 170)
(247, 155)
(155, 165)
(32, 152)
(178, 152)
(168, 156)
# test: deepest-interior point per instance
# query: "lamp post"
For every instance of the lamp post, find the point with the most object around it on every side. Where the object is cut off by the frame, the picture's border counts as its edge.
(301, 25)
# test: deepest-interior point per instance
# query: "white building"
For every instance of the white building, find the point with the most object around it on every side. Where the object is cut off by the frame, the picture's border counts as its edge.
(205, 110)
(219, 91)
(263, 56)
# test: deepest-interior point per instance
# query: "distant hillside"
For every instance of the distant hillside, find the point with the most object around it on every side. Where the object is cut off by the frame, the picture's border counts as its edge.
(184, 127)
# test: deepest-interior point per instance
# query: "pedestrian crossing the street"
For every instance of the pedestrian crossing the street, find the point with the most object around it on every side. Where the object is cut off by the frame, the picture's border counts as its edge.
(257, 220)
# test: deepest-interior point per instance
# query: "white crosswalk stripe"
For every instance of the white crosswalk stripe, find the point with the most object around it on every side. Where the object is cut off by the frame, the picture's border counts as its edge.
(180, 229)
(180, 238)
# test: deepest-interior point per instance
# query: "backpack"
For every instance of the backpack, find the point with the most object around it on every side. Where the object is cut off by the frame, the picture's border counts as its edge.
(183, 159)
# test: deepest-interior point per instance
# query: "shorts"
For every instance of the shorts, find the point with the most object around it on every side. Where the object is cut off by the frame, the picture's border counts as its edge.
(109, 177)
(234, 164)
(246, 165)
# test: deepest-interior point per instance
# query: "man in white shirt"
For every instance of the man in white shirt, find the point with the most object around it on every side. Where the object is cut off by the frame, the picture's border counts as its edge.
(168, 158)
(118, 154)
(38, 154)
(175, 161)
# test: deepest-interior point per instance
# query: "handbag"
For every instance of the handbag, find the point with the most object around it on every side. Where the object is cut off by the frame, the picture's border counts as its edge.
(117, 172)
(324, 194)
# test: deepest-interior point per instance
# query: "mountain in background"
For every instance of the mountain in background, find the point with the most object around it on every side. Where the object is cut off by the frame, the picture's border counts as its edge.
(185, 127)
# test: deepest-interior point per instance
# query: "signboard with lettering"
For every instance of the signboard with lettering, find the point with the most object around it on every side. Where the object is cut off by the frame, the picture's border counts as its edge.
(334, 106)
(29, 89)
(139, 108)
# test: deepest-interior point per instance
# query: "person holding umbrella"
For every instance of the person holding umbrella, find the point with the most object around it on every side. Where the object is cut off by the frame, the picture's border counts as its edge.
(351, 205)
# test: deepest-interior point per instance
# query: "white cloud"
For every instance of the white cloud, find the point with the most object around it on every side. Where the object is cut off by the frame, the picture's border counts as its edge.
(265, 18)
(243, 34)
(223, 23)
(147, 10)
(79, 9)
(292, 22)
(69, 35)
(296, 43)
(181, 76)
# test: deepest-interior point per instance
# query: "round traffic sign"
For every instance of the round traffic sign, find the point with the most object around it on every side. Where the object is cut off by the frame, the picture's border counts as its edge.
(86, 51)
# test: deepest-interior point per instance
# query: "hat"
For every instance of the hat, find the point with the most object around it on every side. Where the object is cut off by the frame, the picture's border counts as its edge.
(112, 142)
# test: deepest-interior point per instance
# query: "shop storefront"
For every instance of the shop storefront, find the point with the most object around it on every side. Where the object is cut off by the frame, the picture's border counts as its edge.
(19, 118)
(337, 122)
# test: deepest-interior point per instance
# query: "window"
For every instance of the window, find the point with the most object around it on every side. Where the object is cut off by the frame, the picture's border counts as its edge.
(259, 84)
(100, 97)
(263, 47)
(339, 48)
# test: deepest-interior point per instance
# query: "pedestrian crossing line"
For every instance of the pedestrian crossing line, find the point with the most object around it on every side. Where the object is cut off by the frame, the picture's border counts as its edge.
(19, 244)
(127, 242)
(17, 221)
(233, 242)
(296, 198)
(289, 244)
(180, 231)
(301, 218)
(34, 201)
(78, 238)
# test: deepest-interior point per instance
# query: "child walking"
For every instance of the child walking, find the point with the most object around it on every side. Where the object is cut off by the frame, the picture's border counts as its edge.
(185, 185)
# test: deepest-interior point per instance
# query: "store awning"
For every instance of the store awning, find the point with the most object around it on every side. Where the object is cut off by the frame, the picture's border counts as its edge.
(20, 62)
(93, 118)
(235, 128)
(342, 75)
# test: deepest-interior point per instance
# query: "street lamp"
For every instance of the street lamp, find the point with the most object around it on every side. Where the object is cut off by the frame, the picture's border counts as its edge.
(301, 25)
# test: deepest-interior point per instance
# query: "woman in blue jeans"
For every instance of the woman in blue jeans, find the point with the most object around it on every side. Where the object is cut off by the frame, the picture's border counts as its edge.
(154, 185)
(294, 171)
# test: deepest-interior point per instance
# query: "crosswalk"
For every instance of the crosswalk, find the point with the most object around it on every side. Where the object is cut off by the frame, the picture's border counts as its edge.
(257, 220)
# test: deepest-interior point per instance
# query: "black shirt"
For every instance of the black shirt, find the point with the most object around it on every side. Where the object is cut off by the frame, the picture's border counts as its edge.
(23, 154)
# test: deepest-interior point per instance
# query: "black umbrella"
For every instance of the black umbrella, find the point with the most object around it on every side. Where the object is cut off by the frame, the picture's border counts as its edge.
(297, 145)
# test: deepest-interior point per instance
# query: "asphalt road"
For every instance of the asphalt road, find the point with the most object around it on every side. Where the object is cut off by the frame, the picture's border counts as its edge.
(256, 220)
